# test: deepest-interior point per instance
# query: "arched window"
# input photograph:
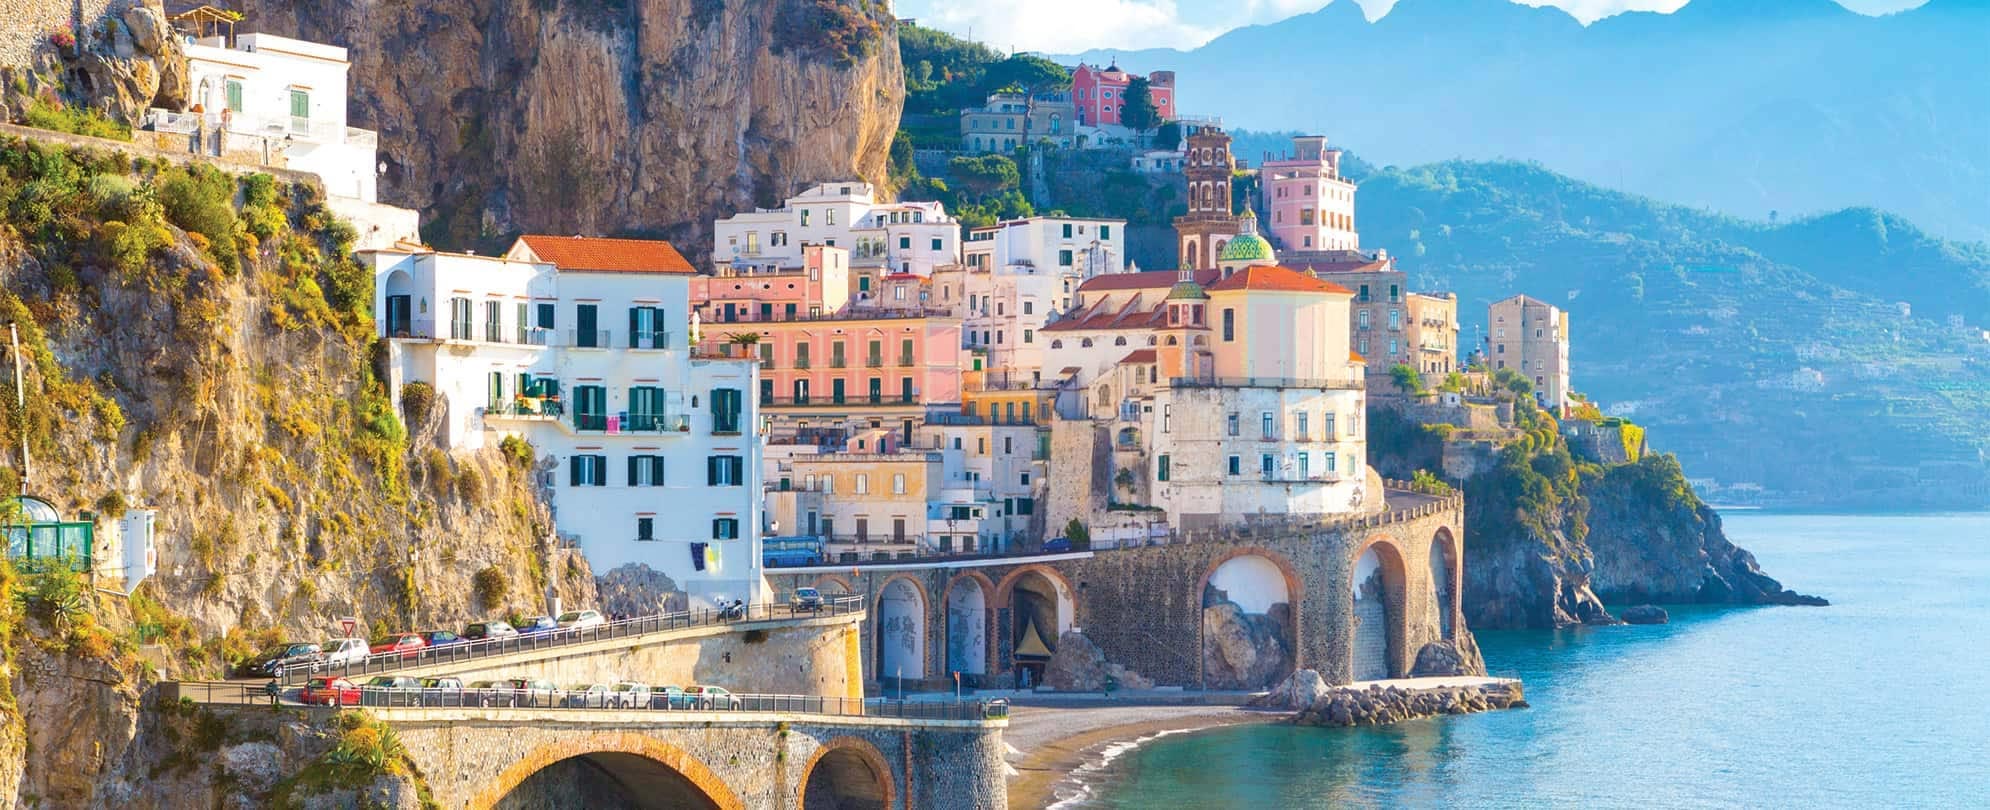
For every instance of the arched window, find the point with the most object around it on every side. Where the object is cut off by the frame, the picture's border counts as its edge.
(1119, 341)
(1151, 341)
(1057, 344)
(1172, 341)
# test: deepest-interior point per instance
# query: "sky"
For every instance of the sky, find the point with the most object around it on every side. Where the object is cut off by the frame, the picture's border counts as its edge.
(1070, 26)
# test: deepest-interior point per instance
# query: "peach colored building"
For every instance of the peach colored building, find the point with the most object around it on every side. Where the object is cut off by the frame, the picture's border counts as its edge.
(1308, 204)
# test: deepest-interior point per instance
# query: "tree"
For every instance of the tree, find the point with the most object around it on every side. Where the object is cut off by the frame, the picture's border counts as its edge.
(985, 176)
(1406, 378)
(1031, 75)
(1080, 537)
(1138, 112)
(1169, 136)
(1453, 383)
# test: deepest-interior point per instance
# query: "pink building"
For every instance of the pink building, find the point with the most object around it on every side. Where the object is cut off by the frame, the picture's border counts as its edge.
(1100, 93)
(1308, 205)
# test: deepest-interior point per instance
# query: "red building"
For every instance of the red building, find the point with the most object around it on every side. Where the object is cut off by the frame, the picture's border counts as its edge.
(1100, 93)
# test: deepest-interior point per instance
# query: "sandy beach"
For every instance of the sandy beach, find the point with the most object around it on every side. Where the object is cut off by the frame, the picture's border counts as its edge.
(1052, 742)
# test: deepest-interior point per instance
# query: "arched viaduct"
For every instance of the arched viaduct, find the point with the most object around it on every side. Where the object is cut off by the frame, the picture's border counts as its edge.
(1362, 595)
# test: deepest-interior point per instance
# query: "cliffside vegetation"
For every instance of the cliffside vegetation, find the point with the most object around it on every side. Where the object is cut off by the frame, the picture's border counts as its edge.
(200, 344)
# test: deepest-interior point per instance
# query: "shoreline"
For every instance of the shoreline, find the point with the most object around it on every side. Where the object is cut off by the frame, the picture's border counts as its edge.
(1044, 768)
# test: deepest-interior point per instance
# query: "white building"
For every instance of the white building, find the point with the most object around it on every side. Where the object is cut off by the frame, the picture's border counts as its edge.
(1088, 247)
(581, 346)
(911, 237)
(1022, 274)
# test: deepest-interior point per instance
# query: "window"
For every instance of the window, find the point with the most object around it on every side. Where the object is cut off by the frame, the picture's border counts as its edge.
(1395, 319)
(585, 325)
(459, 319)
(726, 406)
(1167, 417)
(1105, 232)
(804, 217)
(936, 243)
(1265, 427)
(725, 471)
(300, 108)
(645, 528)
(1328, 426)
(1229, 325)
(1361, 319)
(1067, 232)
(1236, 465)
(645, 471)
(725, 528)
(905, 352)
(590, 407)
(1330, 458)
(545, 319)
(1161, 467)
(1305, 465)
(1234, 423)
(1029, 336)
(836, 391)
(1301, 416)
(1064, 257)
(829, 217)
(645, 408)
(863, 483)
(1266, 465)
(905, 243)
(898, 483)
(588, 471)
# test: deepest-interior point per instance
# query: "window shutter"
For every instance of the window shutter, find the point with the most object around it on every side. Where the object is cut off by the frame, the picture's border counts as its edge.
(573, 470)
(600, 470)
(656, 471)
(698, 556)
(712, 471)
(634, 323)
(633, 477)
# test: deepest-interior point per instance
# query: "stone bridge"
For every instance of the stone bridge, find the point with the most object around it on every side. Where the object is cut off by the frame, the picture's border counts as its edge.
(1353, 597)
(514, 759)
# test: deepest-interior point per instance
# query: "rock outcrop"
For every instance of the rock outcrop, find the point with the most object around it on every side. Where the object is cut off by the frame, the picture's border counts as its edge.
(1300, 690)
(1645, 614)
(650, 116)
(1379, 705)
(123, 65)
(1446, 658)
(1654, 541)
(1244, 650)
(1078, 665)
(635, 589)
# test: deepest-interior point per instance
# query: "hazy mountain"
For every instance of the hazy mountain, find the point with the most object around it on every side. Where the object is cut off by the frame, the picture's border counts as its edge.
(1745, 106)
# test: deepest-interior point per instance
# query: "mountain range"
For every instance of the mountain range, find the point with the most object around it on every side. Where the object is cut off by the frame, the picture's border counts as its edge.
(1768, 109)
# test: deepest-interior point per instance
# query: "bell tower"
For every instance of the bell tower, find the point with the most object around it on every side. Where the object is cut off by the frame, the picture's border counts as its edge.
(1201, 234)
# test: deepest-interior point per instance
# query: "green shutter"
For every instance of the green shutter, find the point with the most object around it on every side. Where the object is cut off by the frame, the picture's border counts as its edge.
(300, 104)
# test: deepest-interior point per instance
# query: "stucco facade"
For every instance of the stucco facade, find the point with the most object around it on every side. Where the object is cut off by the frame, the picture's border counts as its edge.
(1531, 337)
(1307, 204)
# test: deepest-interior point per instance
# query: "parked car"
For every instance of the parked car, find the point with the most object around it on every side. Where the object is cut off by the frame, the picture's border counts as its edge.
(712, 697)
(536, 625)
(342, 651)
(491, 631)
(668, 697)
(589, 696)
(407, 644)
(393, 690)
(284, 657)
(581, 619)
(808, 599)
(526, 692)
(442, 638)
(1057, 545)
(631, 695)
(329, 692)
(485, 693)
(441, 690)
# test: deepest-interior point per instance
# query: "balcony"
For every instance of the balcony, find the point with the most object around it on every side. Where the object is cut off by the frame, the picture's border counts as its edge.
(802, 362)
(657, 340)
(626, 423)
(533, 336)
(526, 408)
(897, 400)
(460, 330)
(905, 361)
(838, 362)
(1264, 382)
(874, 361)
(588, 338)
(1283, 477)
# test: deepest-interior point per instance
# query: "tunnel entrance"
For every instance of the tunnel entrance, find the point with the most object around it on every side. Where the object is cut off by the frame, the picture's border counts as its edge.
(607, 779)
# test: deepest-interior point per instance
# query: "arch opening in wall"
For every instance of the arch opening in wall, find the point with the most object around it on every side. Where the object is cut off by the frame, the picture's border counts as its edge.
(967, 627)
(1443, 583)
(901, 631)
(1041, 609)
(1378, 612)
(1249, 631)
(847, 774)
(606, 770)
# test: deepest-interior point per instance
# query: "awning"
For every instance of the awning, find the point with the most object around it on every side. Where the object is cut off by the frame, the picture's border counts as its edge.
(1032, 645)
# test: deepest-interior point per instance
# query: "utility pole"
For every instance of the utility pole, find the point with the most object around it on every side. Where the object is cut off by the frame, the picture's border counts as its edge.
(20, 403)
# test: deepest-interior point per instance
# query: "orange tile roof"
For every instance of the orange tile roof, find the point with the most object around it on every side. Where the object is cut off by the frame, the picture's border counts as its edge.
(1355, 357)
(1143, 280)
(1138, 356)
(1276, 279)
(600, 255)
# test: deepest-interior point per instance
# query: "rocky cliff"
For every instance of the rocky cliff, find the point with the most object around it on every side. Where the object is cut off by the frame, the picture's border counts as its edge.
(609, 116)
(199, 344)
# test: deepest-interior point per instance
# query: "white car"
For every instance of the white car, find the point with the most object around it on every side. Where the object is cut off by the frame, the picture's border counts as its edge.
(339, 652)
(581, 619)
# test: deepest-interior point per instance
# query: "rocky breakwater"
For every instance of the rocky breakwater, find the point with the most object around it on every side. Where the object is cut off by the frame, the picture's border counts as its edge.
(1080, 666)
(1314, 703)
(652, 116)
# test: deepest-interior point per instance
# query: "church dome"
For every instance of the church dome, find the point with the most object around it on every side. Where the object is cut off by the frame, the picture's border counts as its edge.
(1247, 247)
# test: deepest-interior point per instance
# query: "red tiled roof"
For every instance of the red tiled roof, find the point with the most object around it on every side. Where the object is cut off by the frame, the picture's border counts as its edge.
(601, 255)
(1138, 356)
(1276, 279)
(1128, 316)
(1143, 280)
(1355, 357)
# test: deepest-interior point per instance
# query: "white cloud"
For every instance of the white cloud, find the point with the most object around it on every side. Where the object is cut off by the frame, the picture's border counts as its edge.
(1589, 11)
(1069, 26)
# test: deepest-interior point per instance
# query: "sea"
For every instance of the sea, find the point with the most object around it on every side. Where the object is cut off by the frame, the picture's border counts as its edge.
(1881, 700)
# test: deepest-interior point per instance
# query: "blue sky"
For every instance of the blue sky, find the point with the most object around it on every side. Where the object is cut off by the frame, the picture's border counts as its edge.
(1069, 26)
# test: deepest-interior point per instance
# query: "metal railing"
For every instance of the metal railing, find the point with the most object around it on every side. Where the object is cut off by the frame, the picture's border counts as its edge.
(589, 338)
(467, 651)
(657, 701)
(1263, 382)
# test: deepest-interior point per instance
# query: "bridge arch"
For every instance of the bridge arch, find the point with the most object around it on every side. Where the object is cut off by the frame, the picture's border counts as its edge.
(653, 773)
(1445, 581)
(968, 598)
(1253, 593)
(1042, 605)
(833, 585)
(901, 629)
(846, 773)
(1378, 611)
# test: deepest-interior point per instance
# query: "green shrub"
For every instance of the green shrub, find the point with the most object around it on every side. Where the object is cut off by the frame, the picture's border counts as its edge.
(518, 451)
(45, 113)
(491, 586)
(202, 200)
(417, 399)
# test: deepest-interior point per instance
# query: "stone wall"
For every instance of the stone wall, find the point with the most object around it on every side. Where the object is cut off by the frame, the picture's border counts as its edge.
(476, 758)
(25, 25)
(752, 658)
(1144, 606)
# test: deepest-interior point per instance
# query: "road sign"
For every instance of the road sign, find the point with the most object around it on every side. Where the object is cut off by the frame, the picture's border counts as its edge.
(349, 624)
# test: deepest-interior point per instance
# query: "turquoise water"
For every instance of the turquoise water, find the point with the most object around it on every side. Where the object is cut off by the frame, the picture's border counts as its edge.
(1881, 700)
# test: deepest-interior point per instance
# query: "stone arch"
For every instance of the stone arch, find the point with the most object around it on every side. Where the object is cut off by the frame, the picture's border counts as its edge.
(1446, 579)
(1379, 604)
(657, 764)
(833, 584)
(846, 773)
(1039, 597)
(1249, 593)
(901, 629)
(967, 607)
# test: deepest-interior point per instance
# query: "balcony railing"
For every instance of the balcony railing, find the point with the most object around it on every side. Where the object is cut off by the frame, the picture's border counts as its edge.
(460, 329)
(874, 361)
(650, 340)
(1264, 382)
(830, 401)
(620, 423)
(905, 360)
(588, 338)
(526, 408)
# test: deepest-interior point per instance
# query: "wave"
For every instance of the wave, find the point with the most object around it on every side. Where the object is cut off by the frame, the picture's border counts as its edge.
(1076, 788)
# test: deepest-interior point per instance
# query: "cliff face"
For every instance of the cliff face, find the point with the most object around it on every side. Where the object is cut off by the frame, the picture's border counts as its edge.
(609, 116)
(1655, 541)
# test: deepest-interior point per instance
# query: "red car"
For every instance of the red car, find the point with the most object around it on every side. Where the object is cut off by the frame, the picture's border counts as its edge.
(405, 643)
(329, 692)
